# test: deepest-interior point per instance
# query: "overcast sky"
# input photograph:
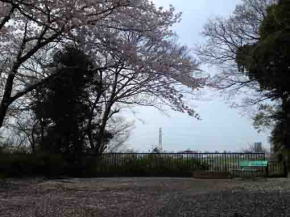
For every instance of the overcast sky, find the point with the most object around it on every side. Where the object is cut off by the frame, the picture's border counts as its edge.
(222, 127)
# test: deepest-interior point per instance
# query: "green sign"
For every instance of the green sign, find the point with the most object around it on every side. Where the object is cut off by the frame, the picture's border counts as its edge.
(256, 163)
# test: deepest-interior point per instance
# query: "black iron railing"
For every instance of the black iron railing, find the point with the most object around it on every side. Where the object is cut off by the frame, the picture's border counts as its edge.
(172, 164)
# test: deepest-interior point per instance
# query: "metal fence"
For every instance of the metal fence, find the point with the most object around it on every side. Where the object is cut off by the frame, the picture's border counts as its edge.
(214, 161)
(178, 163)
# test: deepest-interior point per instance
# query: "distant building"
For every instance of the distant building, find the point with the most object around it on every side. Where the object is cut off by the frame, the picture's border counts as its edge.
(188, 152)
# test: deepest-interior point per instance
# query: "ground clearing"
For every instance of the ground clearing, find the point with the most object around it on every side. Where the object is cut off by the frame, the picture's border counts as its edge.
(113, 197)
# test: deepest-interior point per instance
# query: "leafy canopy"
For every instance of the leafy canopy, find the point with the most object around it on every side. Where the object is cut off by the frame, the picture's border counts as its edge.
(268, 60)
(62, 105)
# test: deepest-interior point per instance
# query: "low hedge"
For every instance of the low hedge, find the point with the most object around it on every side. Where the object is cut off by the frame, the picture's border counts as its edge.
(25, 165)
(148, 165)
(52, 165)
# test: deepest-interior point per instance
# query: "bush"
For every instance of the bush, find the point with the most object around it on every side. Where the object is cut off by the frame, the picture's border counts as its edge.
(84, 166)
(25, 165)
(52, 165)
(47, 165)
(147, 165)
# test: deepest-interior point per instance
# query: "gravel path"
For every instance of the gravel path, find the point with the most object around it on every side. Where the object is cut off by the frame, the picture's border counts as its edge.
(229, 204)
(142, 197)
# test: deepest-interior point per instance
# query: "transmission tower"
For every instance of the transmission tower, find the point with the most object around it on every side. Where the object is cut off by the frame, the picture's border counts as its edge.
(160, 139)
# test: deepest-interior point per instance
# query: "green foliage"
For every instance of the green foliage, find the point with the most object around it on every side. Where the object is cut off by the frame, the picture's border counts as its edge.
(280, 133)
(48, 165)
(25, 165)
(268, 62)
(277, 19)
(265, 118)
(45, 165)
(62, 106)
(148, 165)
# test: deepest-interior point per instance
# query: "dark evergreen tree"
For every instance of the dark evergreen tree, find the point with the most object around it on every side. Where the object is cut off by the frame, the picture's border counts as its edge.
(62, 105)
(268, 62)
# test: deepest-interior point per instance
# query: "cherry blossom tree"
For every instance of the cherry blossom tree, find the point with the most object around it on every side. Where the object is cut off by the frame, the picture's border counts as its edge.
(29, 26)
(137, 58)
(139, 68)
(153, 81)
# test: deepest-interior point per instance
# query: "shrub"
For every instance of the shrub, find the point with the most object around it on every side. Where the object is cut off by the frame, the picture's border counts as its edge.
(52, 165)
(147, 165)
(24, 165)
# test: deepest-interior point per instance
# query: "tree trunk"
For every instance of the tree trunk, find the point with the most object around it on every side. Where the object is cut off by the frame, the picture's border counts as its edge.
(89, 127)
(101, 136)
(6, 100)
(3, 111)
(286, 110)
(33, 150)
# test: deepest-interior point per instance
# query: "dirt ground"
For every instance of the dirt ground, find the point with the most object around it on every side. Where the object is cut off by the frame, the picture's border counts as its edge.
(142, 197)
